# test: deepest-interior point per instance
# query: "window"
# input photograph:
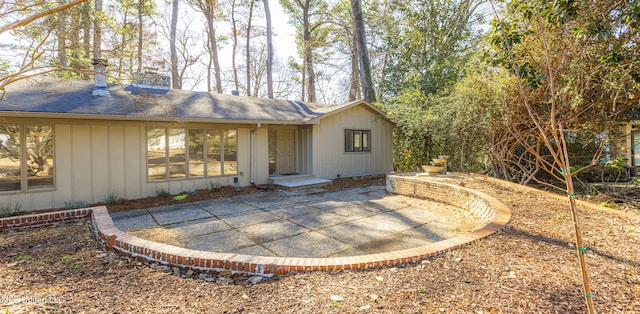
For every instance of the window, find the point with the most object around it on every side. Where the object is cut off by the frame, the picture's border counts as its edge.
(357, 141)
(175, 153)
(26, 157)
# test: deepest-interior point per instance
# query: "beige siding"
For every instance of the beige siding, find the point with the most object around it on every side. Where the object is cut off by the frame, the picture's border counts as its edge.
(134, 164)
(330, 159)
(305, 149)
(116, 161)
(94, 159)
(260, 165)
(99, 172)
(81, 158)
(63, 164)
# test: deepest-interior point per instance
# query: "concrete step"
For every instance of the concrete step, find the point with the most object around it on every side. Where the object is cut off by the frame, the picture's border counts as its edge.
(289, 177)
(303, 184)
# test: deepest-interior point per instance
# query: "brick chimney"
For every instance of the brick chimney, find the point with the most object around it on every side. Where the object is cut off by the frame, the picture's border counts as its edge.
(99, 78)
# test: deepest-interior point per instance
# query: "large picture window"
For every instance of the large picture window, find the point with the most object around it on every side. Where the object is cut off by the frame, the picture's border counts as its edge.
(26, 157)
(174, 153)
(357, 140)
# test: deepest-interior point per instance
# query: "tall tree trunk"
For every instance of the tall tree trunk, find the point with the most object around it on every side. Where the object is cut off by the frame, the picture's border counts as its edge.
(354, 82)
(209, 64)
(97, 30)
(216, 63)
(269, 50)
(234, 47)
(308, 54)
(123, 44)
(62, 39)
(365, 63)
(303, 82)
(140, 28)
(208, 8)
(213, 46)
(249, 47)
(175, 78)
(86, 37)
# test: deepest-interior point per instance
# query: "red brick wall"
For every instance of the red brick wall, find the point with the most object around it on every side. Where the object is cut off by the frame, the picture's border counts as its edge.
(477, 203)
(42, 219)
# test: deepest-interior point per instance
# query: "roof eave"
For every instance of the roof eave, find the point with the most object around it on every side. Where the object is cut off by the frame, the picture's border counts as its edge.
(76, 116)
(349, 105)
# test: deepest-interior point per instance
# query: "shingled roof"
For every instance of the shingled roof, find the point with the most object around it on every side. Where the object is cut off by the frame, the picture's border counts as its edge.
(52, 97)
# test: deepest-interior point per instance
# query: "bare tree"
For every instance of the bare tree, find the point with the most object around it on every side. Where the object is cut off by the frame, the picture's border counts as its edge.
(362, 51)
(175, 78)
(209, 8)
(548, 126)
(140, 33)
(36, 49)
(269, 50)
(248, 47)
(97, 30)
(234, 46)
(38, 15)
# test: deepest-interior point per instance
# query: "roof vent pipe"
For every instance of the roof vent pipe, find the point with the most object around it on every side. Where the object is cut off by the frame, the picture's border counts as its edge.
(99, 78)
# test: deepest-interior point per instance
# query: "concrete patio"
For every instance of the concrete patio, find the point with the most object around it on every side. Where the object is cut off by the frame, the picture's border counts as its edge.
(312, 223)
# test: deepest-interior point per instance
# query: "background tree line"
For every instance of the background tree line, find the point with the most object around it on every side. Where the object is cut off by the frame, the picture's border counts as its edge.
(442, 70)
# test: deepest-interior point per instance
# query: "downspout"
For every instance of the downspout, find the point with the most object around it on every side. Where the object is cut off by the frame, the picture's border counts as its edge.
(258, 126)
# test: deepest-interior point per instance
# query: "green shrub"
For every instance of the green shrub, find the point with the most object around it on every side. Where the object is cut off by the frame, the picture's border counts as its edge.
(162, 192)
(6, 211)
(75, 204)
(214, 186)
(113, 198)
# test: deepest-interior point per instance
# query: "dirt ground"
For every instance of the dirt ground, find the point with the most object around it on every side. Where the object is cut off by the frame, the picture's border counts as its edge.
(528, 267)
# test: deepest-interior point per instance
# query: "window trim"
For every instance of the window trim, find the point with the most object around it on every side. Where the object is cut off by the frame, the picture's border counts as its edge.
(24, 169)
(359, 147)
(222, 131)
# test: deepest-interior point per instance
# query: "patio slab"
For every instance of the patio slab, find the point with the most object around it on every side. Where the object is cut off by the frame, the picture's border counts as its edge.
(137, 222)
(315, 223)
(179, 215)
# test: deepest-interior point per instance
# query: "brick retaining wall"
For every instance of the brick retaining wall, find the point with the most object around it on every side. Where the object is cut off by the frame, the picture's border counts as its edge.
(479, 204)
(42, 219)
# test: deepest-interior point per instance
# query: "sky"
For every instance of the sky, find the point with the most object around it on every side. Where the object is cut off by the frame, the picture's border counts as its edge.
(283, 40)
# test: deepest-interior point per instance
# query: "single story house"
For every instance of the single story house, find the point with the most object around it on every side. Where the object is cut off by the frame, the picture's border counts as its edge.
(60, 141)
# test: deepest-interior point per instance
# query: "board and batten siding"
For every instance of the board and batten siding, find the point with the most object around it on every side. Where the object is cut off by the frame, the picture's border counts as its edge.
(94, 159)
(330, 159)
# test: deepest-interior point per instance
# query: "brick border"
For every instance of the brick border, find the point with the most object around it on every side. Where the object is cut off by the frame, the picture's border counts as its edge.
(492, 211)
(42, 219)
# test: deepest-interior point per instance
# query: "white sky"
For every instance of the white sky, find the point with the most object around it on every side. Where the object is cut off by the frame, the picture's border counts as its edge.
(283, 40)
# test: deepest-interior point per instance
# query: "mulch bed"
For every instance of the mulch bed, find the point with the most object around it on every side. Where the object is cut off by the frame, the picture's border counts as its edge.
(528, 267)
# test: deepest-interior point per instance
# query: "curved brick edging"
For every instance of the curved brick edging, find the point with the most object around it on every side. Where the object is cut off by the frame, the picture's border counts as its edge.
(493, 212)
(43, 219)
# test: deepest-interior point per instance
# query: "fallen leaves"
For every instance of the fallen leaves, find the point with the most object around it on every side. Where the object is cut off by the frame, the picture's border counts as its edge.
(528, 267)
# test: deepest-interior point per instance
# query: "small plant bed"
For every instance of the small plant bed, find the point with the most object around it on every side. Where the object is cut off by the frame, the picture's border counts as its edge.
(185, 197)
(225, 191)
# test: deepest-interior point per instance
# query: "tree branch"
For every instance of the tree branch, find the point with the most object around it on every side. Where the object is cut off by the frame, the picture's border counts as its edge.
(36, 16)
